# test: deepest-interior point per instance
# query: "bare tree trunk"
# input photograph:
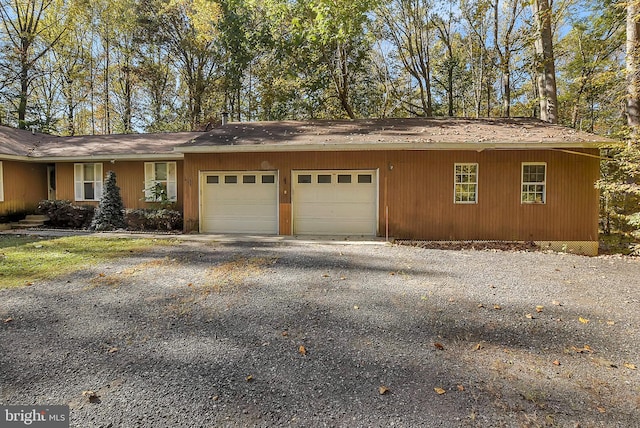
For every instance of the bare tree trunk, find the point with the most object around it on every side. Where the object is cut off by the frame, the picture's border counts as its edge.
(506, 92)
(633, 69)
(547, 69)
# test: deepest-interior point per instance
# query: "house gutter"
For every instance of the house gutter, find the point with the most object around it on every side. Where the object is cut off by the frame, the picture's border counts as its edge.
(96, 158)
(233, 148)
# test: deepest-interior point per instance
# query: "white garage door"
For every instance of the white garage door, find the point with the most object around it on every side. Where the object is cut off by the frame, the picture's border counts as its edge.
(335, 202)
(239, 202)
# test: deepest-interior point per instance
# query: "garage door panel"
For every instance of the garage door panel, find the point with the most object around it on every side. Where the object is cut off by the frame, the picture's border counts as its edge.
(334, 202)
(239, 202)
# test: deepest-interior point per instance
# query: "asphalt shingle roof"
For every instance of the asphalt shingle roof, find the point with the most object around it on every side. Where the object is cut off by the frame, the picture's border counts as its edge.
(423, 131)
(300, 135)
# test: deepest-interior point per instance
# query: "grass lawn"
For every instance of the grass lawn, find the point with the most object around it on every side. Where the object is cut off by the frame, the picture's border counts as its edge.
(26, 259)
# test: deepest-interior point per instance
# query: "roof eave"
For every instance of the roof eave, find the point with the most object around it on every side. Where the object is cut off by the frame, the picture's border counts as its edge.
(387, 146)
(109, 158)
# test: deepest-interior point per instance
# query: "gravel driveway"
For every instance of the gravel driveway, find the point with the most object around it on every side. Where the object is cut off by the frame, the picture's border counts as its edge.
(295, 333)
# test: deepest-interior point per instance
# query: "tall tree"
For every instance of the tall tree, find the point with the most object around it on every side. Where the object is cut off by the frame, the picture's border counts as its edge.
(508, 40)
(406, 25)
(445, 30)
(23, 22)
(633, 67)
(545, 61)
(478, 24)
(188, 30)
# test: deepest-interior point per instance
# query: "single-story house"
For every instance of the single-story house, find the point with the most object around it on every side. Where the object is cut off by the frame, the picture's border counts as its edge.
(446, 179)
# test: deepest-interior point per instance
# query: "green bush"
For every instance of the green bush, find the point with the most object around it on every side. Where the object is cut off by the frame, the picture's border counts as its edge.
(64, 214)
(150, 219)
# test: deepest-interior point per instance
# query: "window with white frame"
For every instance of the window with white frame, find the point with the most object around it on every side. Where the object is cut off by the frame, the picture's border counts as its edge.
(88, 181)
(534, 183)
(1, 183)
(465, 183)
(160, 181)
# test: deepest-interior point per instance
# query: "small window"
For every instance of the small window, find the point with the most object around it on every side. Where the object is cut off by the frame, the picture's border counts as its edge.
(534, 183)
(344, 178)
(248, 179)
(160, 181)
(324, 178)
(465, 183)
(304, 178)
(268, 179)
(88, 181)
(364, 178)
(230, 179)
(212, 179)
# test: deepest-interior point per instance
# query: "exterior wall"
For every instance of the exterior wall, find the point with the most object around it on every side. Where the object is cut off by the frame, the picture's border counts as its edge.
(129, 178)
(25, 184)
(417, 189)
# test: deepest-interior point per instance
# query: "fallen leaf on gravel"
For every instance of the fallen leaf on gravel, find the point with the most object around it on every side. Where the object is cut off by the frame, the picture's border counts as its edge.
(383, 390)
(114, 349)
(249, 378)
(439, 391)
(604, 362)
(460, 388)
(583, 320)
(497, 307)
(302, 350)
(582, 350)
(630, 366)
(539, 308)
(102, 274)
(92, 396)
(439, 346)
(8, 320)
(190, 284)
(556, 362)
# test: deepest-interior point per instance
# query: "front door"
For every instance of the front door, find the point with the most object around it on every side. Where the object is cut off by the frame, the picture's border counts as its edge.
(51, 182)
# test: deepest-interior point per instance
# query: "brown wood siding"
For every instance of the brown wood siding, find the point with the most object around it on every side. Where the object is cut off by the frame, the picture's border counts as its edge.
(417, 187)
(129, 178)
(25, 184)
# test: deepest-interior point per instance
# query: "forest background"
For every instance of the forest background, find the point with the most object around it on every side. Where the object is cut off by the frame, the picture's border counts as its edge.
(121, 66)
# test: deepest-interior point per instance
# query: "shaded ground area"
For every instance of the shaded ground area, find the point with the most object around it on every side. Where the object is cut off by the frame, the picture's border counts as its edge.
(309, 334)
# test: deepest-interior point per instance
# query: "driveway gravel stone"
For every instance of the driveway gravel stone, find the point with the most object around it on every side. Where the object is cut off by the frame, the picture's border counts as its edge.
(266, 332)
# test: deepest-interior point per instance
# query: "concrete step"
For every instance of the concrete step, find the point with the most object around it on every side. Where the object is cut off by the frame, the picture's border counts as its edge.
(30, 221)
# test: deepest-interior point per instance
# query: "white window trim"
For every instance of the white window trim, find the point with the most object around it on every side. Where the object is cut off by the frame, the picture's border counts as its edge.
(455, 173)
(1, 183)
(79, 181)
(150, 181)
(543, 183)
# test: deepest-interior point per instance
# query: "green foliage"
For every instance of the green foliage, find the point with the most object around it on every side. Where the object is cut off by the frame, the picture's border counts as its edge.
(110, 212)
(64, 214)
(153, 220)
(620, 191)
